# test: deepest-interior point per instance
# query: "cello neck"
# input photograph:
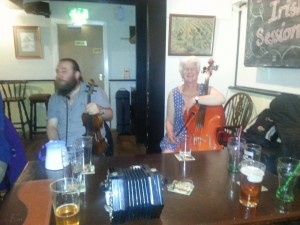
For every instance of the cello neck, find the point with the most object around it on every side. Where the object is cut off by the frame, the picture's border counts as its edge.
(202, 109)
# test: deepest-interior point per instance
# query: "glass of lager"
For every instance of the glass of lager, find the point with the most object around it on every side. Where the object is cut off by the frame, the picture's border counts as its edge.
(66, 201)
(252, 173)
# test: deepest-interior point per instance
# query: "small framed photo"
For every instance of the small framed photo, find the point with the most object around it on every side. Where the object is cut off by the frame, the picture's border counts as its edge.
(27, 42)
(191, 35)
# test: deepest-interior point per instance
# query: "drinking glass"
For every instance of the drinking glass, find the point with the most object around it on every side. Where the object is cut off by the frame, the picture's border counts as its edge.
(65, 201)
(288, 170)
(252, 151)
(251, 177)
(85, 144)
(76, 164)
(186, 145)
(235, 150)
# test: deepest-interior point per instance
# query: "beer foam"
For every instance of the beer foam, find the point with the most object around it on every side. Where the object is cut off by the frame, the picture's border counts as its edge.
(254, 174)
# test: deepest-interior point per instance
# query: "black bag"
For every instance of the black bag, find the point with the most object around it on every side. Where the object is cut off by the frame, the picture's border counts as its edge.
(259, 131)
(285, 110)
(123, 111)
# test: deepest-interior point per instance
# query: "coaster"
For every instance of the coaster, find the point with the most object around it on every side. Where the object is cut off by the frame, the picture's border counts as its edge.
(181, 187)
(90, 169)
(184, 158)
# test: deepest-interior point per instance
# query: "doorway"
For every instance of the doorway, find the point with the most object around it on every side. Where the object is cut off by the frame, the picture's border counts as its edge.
(85, 45)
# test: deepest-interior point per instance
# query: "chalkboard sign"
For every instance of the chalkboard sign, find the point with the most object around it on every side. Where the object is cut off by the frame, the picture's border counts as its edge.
(273, 33)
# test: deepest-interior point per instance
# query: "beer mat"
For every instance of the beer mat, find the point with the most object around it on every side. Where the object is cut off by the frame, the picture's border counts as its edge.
(89, 169)
(181, 187)
(184, 158)
(263, 188)
(36, 197)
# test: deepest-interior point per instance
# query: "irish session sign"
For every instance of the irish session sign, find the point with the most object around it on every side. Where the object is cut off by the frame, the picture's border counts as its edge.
(273, 33)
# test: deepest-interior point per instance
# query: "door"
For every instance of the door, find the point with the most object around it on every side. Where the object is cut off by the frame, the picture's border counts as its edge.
(85, 45)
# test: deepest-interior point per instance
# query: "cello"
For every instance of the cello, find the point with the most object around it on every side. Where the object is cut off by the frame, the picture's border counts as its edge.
(93, 124)
(203, 122)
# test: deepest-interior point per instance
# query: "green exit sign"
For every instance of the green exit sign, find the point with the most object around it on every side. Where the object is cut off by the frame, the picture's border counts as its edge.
(78, 13)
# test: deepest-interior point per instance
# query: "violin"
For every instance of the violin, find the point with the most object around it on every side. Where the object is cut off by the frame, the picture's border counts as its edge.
(93, 124)
(202, 122)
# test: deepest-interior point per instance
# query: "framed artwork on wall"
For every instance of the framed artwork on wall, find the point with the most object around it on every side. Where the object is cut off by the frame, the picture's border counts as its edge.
(191, 35)
(27, 41)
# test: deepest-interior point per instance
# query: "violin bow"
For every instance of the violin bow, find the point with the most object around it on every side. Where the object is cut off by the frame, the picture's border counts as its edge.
(186, 123)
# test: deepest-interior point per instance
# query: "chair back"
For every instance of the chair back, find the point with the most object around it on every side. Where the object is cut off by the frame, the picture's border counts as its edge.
(13, 90)
(238, 111)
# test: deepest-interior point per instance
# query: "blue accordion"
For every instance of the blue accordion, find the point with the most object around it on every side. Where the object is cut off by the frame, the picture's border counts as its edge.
(133, 193)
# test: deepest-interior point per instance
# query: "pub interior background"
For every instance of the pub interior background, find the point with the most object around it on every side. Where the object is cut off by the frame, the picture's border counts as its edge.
(262, 83)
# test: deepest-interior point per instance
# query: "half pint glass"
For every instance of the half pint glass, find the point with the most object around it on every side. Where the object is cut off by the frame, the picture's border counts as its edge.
(66, 201)
(252, 173)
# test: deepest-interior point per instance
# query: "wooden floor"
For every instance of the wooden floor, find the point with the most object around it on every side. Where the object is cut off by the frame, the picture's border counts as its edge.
(123, 145)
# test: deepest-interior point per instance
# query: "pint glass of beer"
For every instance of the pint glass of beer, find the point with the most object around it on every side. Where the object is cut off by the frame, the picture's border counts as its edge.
(252, 173)
(66, 201)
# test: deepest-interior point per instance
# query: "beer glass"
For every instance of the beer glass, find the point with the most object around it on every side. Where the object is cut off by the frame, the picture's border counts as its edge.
(235, 150)
(252, 151)
(66, 201)
(186, 145)
(85, 143)
(76, 165)
(251, 177)
(288, 170)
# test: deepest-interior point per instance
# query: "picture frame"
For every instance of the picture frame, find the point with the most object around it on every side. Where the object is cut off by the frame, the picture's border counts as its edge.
(27, 41)
(191, 35)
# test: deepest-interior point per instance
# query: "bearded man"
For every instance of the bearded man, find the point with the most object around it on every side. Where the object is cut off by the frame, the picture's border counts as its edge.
(70, 101)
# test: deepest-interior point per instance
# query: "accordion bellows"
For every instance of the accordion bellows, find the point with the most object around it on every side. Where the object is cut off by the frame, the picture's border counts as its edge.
(133, 193)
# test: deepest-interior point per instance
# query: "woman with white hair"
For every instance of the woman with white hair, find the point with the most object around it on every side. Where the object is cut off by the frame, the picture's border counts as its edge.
(182, 98)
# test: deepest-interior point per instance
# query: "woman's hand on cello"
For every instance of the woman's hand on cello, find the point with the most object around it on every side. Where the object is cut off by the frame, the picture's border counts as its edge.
(172, 138)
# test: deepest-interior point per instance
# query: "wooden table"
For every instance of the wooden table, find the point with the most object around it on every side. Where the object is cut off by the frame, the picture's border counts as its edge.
(214, 199)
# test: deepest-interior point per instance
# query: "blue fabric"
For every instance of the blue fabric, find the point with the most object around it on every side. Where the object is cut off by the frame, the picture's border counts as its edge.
(11, 150)
(5, 155)
(18, 157)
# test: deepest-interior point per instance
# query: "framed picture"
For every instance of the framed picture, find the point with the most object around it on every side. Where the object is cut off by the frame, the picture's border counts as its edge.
(191, 35)
(27, 42)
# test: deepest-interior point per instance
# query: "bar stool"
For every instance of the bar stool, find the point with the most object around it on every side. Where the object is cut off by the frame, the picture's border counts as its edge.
(34, 99)
(13, 91)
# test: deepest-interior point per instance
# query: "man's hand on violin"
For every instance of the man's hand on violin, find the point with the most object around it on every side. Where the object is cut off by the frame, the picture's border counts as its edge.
(92, 108)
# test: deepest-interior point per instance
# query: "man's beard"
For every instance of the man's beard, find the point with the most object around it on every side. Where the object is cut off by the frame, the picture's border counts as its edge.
(64, 88)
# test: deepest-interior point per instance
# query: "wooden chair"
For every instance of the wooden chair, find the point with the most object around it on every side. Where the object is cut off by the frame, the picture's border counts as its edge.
(13, 91)
(34, 100)
(238, 111)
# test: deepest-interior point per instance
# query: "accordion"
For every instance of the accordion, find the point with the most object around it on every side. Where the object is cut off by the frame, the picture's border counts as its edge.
(133, 193)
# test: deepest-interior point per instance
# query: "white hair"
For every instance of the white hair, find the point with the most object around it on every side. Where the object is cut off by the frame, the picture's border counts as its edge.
(189, 60)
